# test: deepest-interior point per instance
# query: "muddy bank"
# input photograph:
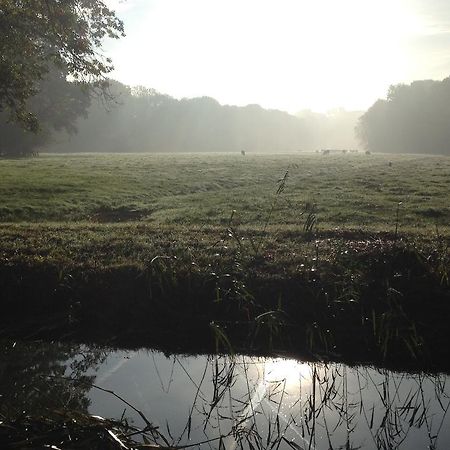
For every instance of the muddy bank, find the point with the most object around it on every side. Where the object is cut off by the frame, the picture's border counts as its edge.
(388, 305)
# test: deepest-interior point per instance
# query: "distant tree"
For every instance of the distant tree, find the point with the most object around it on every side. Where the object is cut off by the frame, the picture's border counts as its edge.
(414, 118)
(372, 125)
(36, 35)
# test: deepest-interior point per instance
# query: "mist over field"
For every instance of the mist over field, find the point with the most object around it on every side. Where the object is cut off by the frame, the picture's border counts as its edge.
(143, 120)
(412, 118)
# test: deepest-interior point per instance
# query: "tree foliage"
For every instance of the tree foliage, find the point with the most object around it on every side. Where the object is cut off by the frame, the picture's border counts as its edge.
(36, 35)
(414, 118)
(57, 106)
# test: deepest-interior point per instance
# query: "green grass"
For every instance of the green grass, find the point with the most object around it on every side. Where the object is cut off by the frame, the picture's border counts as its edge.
(192, 240)
(184, 190)
(104, 210)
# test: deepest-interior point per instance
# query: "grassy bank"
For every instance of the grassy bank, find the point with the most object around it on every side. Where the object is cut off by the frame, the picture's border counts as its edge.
(345, 258)
(346, 296)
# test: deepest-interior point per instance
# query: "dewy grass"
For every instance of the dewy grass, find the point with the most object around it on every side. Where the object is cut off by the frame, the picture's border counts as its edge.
(350, 191)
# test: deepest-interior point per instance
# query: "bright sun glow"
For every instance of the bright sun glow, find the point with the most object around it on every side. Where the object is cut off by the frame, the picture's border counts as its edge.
(287, 370)
(286, 54)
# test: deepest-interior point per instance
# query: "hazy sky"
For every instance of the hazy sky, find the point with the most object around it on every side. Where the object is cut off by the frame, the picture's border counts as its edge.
(285, 54)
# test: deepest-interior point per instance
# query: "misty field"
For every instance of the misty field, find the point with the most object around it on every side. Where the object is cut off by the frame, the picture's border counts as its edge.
(341, 191)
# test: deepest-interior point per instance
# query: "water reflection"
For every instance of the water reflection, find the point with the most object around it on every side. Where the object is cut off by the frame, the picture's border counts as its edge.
(33, 376)
(230, 403)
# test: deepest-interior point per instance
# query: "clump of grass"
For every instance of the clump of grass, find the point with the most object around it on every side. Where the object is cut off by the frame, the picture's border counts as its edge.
(311, 219)
(67, 429)
(397, 216)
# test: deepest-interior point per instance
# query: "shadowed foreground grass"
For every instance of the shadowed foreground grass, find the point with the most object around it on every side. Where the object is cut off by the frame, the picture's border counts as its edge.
(349, 296)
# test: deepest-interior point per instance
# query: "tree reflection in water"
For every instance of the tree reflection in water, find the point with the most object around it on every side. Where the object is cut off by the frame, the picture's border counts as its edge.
(229, 402)
(33, 377)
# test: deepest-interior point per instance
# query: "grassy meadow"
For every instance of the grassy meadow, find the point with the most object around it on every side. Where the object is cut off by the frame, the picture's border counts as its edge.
(342, 245)
(114, 209)
(346, 191)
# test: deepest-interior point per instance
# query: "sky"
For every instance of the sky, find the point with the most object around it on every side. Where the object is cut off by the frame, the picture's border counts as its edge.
(283, 54)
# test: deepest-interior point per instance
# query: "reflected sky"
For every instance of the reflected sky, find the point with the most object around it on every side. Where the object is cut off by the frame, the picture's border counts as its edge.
(236, 402)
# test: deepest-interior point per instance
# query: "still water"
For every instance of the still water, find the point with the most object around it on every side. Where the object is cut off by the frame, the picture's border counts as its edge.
(230, 402)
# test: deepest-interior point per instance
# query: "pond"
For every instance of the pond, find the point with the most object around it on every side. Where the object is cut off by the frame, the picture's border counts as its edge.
(230, 402)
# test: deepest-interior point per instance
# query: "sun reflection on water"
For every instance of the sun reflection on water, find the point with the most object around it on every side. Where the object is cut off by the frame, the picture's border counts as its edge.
(288, 371)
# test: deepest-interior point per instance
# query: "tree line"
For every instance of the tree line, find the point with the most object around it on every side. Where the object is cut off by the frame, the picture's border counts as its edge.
(414, 118)
(143, 120)
(137, 119)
